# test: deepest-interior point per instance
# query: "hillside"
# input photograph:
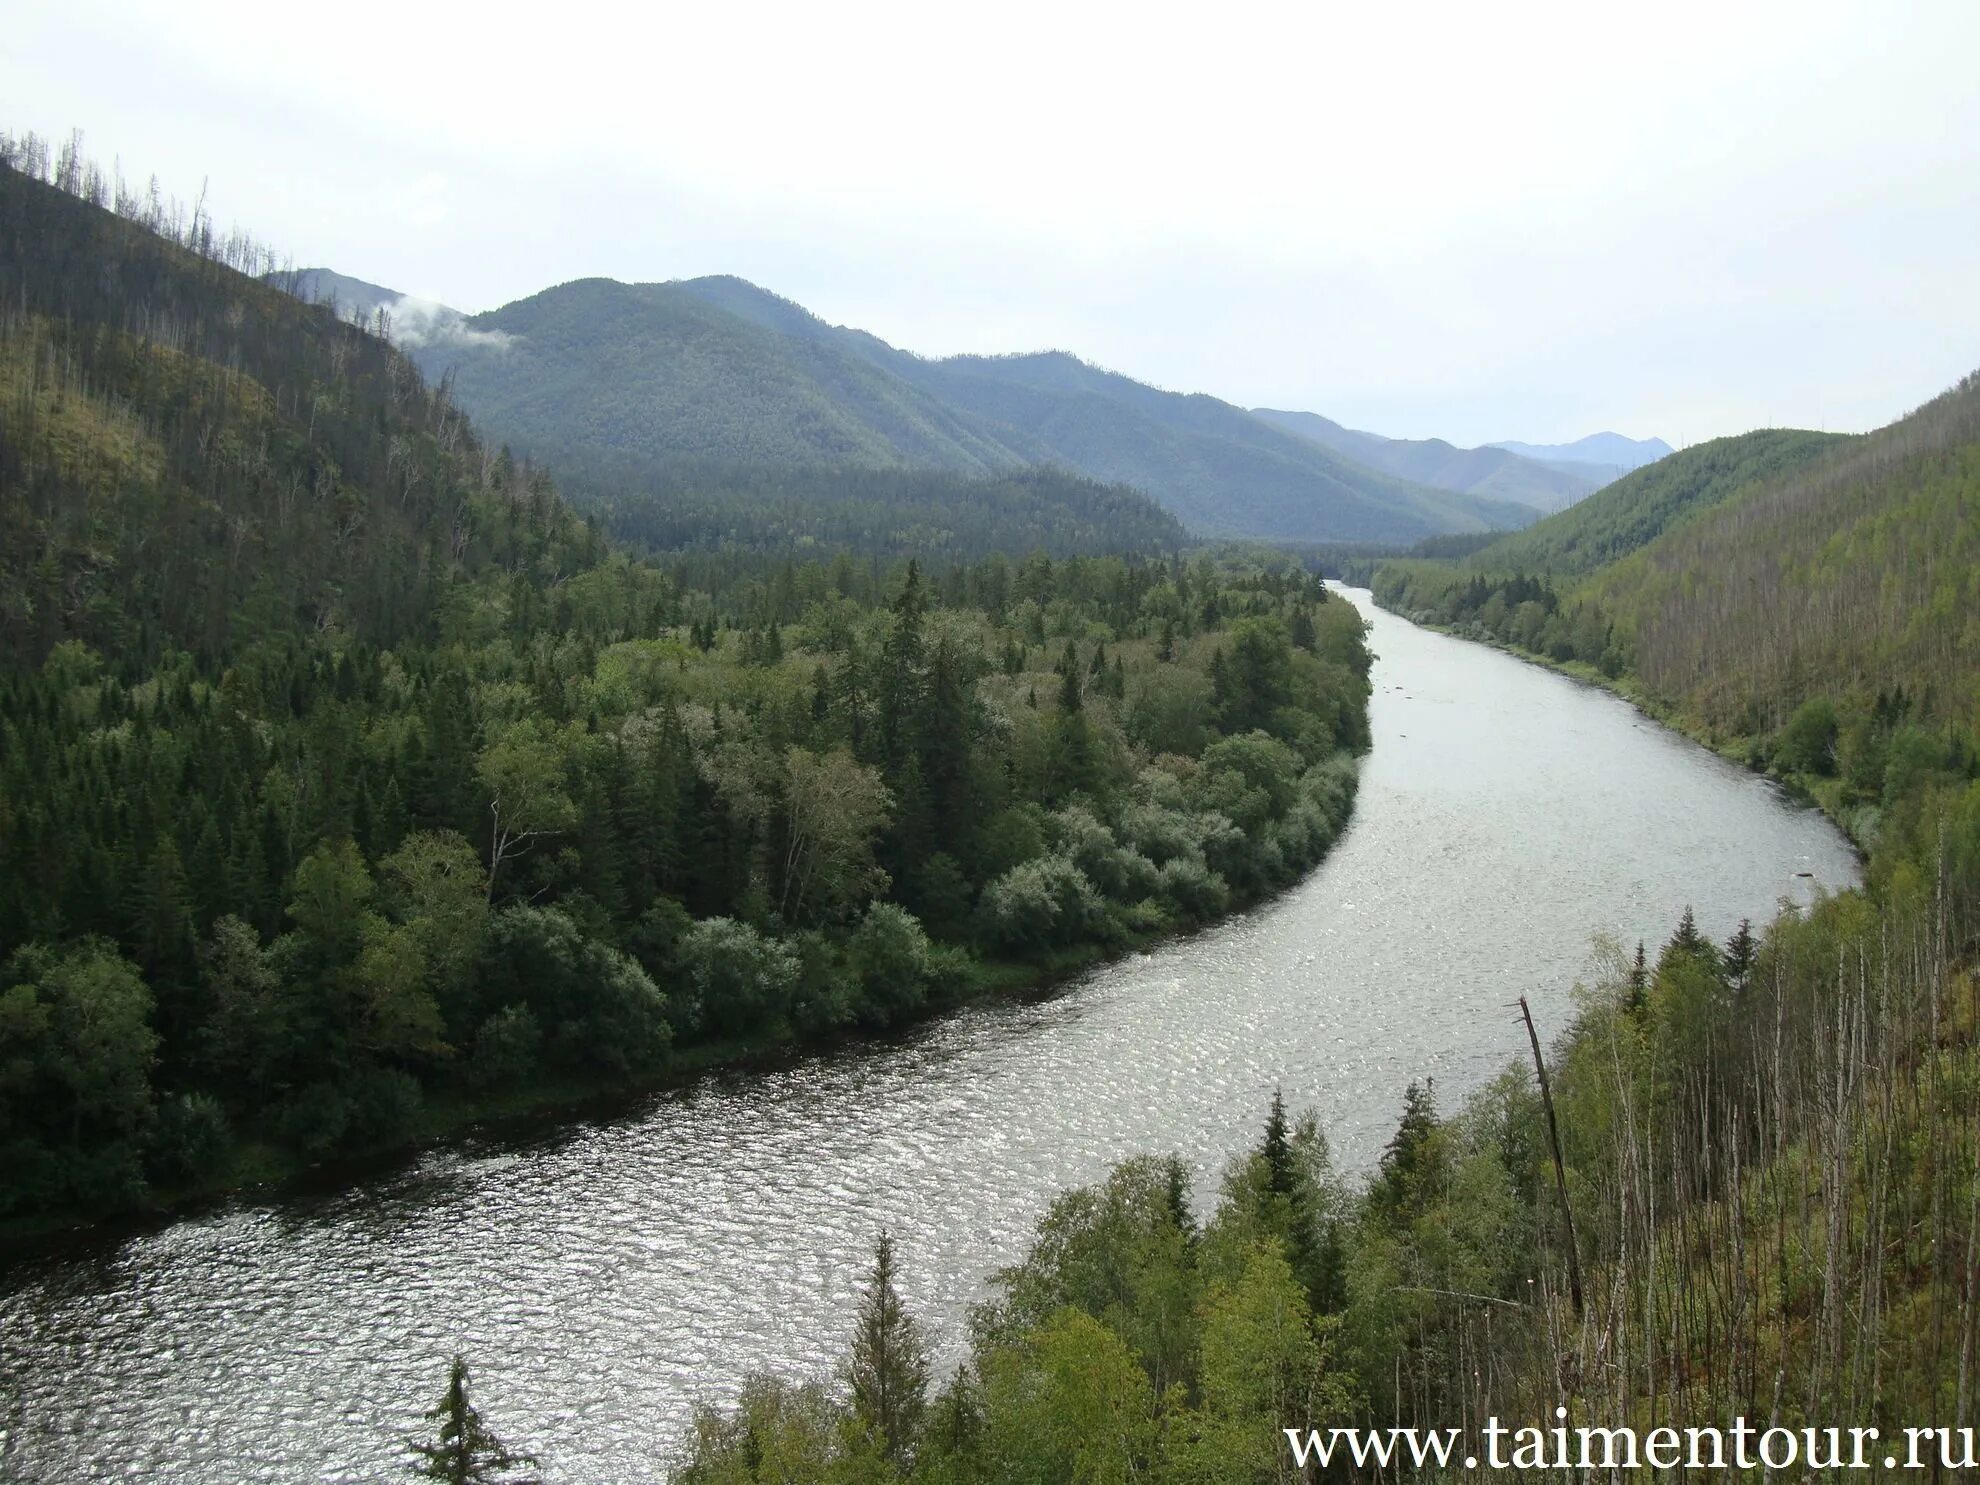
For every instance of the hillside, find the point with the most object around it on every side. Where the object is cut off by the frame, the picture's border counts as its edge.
(717, 372)
(194, 458)
(1806, 596)
(1642, 505)
(1493, 473)
(1856, 573)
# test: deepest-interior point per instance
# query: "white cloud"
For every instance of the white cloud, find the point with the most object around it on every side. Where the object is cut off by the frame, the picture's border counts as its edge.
(425, 322)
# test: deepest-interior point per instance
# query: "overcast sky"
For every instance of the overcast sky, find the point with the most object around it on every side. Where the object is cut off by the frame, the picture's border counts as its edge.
(1453, 221)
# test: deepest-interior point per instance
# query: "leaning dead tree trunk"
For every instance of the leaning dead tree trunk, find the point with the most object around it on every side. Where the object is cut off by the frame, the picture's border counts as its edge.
(1560, 1166)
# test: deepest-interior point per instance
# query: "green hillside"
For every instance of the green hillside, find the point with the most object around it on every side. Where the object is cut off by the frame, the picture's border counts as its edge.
(656, 370)
(1642, 505)
(718, 372)
(1810, 600)
(1858, 572)
(1495, 474)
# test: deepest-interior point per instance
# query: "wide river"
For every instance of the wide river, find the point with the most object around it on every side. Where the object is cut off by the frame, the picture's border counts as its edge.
(605, 1278)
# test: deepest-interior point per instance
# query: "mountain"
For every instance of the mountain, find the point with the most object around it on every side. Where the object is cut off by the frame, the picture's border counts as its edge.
(1635, 510)
(718, 372)
(1495, 473)
(1600, 456)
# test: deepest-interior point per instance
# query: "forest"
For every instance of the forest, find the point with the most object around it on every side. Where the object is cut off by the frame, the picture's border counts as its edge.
(352, 782)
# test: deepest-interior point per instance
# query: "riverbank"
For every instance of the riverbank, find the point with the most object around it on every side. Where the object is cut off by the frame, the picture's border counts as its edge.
(261, 1168)
(1734, 748)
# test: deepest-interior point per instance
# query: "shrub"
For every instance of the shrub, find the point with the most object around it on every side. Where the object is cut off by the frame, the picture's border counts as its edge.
(740, 979)
(890, 955)
(1040, 904)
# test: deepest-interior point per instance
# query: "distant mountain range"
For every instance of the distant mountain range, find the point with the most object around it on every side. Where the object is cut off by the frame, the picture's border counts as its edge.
(1494, 472)
(718, 372)
(1600, 456)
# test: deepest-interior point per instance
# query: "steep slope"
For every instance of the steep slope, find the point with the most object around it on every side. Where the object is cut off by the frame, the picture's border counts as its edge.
(718, 371)
(1851, 574)
(1494, 473)
(1641, 506)
(194, 458)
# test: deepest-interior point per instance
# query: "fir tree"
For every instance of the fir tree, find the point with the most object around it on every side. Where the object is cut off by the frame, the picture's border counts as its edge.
(467, 1451)
(888, 1369)
(1070, 699)
(1739, 954)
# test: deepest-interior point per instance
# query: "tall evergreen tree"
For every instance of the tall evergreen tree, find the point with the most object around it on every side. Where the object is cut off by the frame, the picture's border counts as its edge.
(888, 1369)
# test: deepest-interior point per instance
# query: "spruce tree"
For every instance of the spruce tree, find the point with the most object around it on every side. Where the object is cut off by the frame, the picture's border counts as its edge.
(1070, 699)
(1739, 953)
(888, 1370)
(467, 1451)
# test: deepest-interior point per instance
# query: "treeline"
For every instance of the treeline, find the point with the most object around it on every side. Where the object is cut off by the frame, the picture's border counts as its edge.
(347, 774)
(1524, 612)
(941, 517)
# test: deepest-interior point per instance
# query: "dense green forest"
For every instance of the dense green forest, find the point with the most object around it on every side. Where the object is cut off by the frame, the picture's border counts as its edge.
(349, 777)
(716, 374)
(759, 511)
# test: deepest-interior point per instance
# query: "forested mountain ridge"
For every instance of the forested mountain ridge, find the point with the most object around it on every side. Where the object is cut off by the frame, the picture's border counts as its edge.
(351, 782)
(194, 460)
(841, 484)
(1495, 473)
(1742, 578)
(718, 374)
(1641, 506)
(1855, 574)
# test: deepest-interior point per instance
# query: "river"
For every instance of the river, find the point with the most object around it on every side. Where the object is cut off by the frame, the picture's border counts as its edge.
(605, 1277)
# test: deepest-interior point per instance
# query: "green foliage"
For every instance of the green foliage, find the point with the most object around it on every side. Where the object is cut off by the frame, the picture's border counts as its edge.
(887, 1368)
(1634, 511)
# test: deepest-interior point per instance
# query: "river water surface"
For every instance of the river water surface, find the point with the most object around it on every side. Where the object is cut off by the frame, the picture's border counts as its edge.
(605, 1278)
